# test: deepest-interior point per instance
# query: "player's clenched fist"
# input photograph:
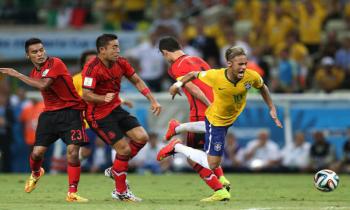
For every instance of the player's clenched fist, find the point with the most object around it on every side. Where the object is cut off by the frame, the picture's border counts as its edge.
(173, 90)
(109, 97)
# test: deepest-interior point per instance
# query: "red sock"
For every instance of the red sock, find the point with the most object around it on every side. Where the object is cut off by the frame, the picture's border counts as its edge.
(218, 172)
(208, 176)
(35, 166)
(120, 167)
(73, 177)
(135, 147)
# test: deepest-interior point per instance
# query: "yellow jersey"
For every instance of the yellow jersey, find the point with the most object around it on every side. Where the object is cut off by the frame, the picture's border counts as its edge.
(229, 98)
(78, 83)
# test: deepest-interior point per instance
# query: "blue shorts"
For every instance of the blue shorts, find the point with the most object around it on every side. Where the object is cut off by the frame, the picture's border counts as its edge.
(215, 139)
(91, 135)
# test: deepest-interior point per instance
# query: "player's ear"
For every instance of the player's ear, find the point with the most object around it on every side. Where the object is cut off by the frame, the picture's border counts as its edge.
(229, 63)
(101, 49)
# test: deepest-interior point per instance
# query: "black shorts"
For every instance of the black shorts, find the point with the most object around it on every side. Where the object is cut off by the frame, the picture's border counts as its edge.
(65, 124)
(114, 126)
(196, 140)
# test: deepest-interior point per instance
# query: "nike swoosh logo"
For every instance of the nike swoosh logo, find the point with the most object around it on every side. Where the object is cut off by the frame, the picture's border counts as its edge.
(221, 88)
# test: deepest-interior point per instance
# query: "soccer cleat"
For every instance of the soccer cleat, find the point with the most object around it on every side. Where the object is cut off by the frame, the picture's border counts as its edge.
(108, 173)
(74, 197)
(225, 183)
(171, 129)
(168, 149)
(219, 195)
(127, 196)
(31, 181)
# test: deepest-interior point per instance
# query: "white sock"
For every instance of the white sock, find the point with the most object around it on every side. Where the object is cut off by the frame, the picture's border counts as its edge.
(193, 127)
(195, 155)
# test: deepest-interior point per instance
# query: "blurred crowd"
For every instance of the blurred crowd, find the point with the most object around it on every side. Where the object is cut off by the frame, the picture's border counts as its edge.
(295, 45)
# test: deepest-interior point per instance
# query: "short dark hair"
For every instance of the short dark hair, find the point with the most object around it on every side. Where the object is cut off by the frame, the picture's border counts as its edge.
(103, 40)
(31, 41)
(233, 52)
(84, 55)
(169, 43)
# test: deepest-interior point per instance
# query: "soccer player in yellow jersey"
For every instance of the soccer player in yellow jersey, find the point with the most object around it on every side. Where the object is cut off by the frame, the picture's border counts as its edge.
(85, 151)
(230, 86)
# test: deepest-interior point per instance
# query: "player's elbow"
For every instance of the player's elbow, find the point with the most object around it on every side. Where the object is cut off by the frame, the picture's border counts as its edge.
(86, 96)
(43, 86)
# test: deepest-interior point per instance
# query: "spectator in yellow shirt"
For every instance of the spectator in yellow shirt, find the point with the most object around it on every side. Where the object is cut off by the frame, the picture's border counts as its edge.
(328, 78)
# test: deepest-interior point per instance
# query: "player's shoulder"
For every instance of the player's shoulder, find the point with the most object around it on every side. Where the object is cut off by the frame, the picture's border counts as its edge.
(122, 60)
(55, 60)
(91, 66)
(252, 74)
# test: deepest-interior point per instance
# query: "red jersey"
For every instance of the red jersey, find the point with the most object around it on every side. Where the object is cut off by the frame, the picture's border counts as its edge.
(61, 93)
(102, 80)
(181, 67)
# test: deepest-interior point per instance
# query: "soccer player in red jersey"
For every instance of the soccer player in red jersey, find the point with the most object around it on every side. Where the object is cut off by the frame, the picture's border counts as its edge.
(62, 117)
(101, 86)
(199, 96)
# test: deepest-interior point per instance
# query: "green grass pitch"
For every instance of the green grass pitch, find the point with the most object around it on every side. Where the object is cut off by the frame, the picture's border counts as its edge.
(176, 192)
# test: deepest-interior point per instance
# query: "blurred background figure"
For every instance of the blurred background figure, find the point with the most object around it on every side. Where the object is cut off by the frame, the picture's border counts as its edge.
(29, 117)
(233, 153)
(6, 137)
(329, 77)
(146, 160)
(343, 165)
(295, 157)
(322, 154)
(150, 60)
(262, 154)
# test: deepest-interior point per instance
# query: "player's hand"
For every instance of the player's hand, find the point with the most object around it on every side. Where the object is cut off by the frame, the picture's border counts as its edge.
(9, 71)
(156, 108)
(173, 90)
(128, 103)
(273, 115)
(109, 97)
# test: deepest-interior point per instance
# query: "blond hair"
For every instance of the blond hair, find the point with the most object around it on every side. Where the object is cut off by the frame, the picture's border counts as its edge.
(233, 52)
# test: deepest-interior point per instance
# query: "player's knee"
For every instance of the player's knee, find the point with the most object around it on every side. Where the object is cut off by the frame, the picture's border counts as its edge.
(72, 153)
(142, 137)
(213, 165)
(37, 155)
(124, 150)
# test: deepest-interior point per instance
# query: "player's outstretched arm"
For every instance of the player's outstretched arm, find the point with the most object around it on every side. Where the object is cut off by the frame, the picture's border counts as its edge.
(144, 90)
(195, 91)
(265, 93)
(90, 96)
(37, 83)
(175, 88)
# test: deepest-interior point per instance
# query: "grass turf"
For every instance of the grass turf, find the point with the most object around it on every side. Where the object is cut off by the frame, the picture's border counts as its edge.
(176, 192)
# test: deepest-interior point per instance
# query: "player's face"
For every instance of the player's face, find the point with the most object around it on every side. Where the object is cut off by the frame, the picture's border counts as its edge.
(166, 55)
(112, 50)
(37, 54)
(238, 66)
